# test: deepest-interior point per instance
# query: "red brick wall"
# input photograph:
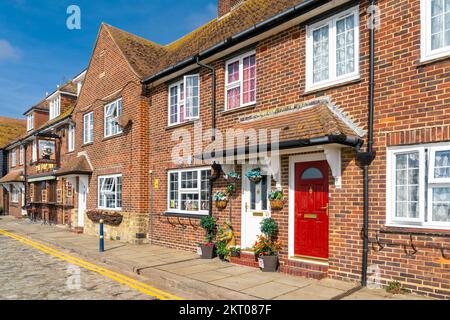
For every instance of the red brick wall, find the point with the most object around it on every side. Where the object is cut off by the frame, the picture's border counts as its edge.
(109, 77)
(409, 95)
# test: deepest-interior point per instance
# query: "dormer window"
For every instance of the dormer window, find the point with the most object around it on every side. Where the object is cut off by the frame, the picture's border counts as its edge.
(30, 121)
(55, 107)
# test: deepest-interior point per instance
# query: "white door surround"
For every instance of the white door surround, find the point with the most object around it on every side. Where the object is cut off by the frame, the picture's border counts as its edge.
(83, 189)
(251, 218)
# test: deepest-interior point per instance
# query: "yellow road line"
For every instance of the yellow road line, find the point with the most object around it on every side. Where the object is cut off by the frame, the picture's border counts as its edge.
(132, 283)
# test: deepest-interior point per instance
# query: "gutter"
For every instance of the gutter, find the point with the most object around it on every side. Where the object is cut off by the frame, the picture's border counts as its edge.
(350, 141)
(251, 32)
(365, 159)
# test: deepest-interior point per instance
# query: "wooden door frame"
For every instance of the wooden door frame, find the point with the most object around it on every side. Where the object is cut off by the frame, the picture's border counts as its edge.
(309, 157)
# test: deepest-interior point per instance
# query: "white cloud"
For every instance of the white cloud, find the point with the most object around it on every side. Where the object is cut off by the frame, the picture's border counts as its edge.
(8, 52)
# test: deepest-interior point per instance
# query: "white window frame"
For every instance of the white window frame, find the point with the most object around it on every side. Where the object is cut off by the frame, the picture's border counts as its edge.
(425, 202)
(14, 195)
(13, 157)
(88, 128)
(34, 154)
(185, 191)
(425, 35)
(184, 101)
(113, 176)
(55, 107)
(240, 82)
(333, 79)
(71, 138)
(115, 104)
(30, 121)
(21, 154)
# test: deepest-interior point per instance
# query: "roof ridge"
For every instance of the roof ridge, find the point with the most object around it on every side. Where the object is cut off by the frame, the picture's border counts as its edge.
(133, 35)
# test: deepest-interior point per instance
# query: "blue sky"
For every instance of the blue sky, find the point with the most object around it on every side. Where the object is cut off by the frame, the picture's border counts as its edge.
(38, 51)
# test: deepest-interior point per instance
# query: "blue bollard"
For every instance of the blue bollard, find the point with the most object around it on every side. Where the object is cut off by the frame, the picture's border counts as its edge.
(101, 239)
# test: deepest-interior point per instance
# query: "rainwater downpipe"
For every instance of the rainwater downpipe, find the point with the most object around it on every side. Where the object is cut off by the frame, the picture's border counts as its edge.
(213, 123)
(366, 158)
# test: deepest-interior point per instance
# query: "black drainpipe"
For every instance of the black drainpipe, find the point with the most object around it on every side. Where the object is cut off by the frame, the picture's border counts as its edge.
(365, 158)
(213, 127)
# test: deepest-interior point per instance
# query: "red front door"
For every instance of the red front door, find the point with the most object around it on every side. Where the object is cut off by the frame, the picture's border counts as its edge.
(311, 214)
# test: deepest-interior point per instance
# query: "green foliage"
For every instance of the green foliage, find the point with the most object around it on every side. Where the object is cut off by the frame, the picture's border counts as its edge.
(208, 223)
(253, 173)
(222, 248)
(275, 195)
(266, 247)
(395, 287)
(235, 250)
(269, 228)
(220, 196)
(230, 188)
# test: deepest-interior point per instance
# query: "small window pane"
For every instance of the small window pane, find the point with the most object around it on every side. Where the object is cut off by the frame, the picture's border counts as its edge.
(234, 98)
(407, 185)
(264, 193)
(345, 46)
(189, 180)
(311, 173)
(320, 54)
(204, 200)
(442, 164)
(173, 193)
(441, 204)
(189, 201)
(233, 72)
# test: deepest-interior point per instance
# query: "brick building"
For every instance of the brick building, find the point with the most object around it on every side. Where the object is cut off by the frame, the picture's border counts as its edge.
(34, 185)
(292, 78)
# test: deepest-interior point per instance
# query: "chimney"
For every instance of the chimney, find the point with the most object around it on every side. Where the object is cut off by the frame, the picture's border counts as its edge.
(225, 6)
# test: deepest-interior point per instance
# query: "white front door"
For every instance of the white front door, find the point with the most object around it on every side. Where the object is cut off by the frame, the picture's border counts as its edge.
(82, 197)
(255, 207)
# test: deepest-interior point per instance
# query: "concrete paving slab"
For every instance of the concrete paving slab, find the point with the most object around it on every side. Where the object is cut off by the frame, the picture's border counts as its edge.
(342, 285)
(194, 269)
(208, 276)
(321, 291)
(299, 295)
(269, 290)
(242, 282)
(298, 282)
(237, 270)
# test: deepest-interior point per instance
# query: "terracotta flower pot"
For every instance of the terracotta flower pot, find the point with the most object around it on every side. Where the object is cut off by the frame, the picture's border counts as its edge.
(276, 204)
(221, 204)
(268, 263)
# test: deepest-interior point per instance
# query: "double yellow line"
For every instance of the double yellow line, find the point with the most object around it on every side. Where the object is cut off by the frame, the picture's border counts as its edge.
(141, 287)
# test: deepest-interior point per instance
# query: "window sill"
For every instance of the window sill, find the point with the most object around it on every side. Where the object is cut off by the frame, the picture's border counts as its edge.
(329, 86)
(113, 136)
(87, 144)
(428, 61)
(416, 230)
(239, 109)
(184, 215)
(178, 125)
(109, 209)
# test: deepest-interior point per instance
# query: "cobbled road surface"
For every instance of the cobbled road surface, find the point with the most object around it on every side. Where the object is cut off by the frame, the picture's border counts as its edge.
(29, 274)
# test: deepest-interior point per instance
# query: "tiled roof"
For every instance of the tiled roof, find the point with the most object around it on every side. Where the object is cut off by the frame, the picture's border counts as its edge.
(77, 165)
(148, 58)
(69, 87)
(13, 176)
(311, 122)
(10, 129)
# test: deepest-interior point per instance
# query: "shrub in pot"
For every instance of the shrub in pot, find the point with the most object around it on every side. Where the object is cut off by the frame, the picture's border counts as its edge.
(208, 223)
(220, 199)
(266, 248)
(276, 199)
(222, 250)
(235, 252)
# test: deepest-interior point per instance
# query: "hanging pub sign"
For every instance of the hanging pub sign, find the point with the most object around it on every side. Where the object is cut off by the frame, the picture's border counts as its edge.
(47, 150)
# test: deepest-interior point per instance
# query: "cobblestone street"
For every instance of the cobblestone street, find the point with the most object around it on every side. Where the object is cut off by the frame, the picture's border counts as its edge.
(26, 273)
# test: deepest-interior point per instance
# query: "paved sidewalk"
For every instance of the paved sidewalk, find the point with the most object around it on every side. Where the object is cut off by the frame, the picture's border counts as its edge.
(184, 274)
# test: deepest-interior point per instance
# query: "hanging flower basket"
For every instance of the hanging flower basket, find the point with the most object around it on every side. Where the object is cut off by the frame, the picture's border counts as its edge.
(108, 217)
(221, 204)
(276, 204)
(254, 175)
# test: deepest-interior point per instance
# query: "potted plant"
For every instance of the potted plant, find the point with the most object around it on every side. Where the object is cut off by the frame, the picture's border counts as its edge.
(222, 250)
(266, 248)
(235, 252)
(206, 249)
(276, 199)
(220, 199)
(254, 175)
